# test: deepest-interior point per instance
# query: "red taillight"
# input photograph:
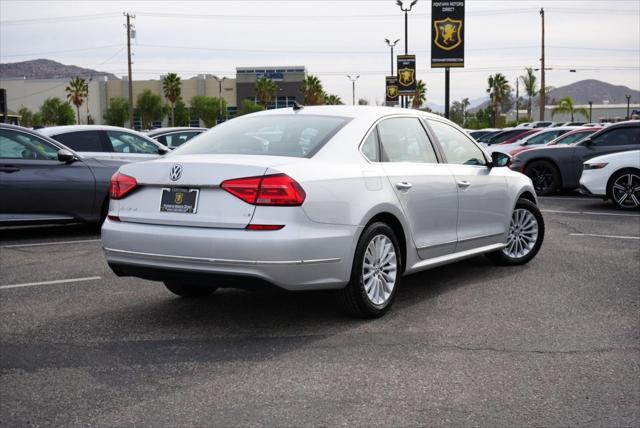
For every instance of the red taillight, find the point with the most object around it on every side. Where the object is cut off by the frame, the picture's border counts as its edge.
(270, 190)
(121, 185)
(265, 226)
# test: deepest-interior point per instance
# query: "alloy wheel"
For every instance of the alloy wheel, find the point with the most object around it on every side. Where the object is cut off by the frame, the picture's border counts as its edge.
(542, 177)
(379, 269)
(626, 191)
(523, 234)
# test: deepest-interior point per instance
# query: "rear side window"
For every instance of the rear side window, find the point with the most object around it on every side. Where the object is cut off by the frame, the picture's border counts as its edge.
(84, 141)
(124, 142)
(370, 147)
(457, 147)
(177, 139)
(544, 137)
(405, 140)
(619, 137)
(271, 135)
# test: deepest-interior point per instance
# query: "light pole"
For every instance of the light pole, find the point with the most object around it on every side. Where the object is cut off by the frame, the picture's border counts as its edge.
(220, 92)
(391, 45)
(628, 105)
(87, 94)
(406, 32)
(353, 86)
(542, 69)
(517, 100)
(590, 107)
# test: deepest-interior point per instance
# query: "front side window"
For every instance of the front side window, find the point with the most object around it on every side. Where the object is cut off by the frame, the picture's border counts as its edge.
(272, 135)
(403, 139)
(457, 147)
(124, 142)
(544, 137)
(85, 141)
(18, 145)
(573, 138)
(619, 137)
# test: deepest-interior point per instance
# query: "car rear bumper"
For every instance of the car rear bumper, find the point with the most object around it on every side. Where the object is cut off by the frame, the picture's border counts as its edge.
(313, 256)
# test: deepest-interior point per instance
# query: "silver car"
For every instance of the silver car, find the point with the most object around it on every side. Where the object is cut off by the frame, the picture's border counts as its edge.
(107, 142)
(347, 198)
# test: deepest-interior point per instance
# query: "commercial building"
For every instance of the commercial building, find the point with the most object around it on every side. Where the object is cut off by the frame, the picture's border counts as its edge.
(31, 93)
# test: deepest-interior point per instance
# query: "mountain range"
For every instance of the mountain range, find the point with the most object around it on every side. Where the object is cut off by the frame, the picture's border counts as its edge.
(48, 69)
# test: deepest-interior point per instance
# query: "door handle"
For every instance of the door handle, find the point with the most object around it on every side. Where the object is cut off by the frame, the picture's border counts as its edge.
(9, 169)
(403, 185)
(463, 184)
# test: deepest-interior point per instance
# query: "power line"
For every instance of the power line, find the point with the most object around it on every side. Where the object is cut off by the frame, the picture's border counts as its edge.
(57, 52)
(57, 19)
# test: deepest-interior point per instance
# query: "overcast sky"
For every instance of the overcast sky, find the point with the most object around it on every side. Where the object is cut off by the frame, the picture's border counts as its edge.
(600, 39)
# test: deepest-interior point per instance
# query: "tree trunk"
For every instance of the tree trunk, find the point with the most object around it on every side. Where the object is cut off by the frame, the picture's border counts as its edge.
(173, 115)
(78, 110)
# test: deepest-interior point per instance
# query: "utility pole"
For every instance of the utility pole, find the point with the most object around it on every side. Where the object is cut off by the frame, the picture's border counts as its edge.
(128, 26)
(590, 108)
(353, 86)
(542, 88)
(628, 97)
(517, 100)
(447, 81)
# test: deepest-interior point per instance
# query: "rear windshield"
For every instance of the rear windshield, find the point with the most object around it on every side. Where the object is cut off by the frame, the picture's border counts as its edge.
(286, 135)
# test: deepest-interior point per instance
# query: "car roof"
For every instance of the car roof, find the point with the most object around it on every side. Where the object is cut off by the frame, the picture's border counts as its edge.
(54, 130)
(167, 130)
(355, 112)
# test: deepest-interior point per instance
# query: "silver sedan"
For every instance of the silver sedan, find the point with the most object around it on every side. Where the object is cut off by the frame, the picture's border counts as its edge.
(330, 197)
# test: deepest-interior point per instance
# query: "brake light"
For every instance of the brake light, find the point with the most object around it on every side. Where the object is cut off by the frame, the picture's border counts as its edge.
(269, 190)
(265, 226)
(121, 185)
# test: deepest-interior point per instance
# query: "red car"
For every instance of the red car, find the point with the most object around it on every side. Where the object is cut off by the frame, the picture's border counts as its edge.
(521, 136)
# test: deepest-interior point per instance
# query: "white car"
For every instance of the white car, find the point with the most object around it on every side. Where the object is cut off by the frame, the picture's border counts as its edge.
(343, 197)
(107, 142)
(615, 176)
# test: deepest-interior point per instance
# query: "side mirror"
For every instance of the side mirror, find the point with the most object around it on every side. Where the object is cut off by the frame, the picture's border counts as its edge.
(587, 142)
(499, 159)
(163, 151)
(66, 156)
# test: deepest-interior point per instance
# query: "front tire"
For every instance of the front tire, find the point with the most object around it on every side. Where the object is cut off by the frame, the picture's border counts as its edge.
(526, 233)
(624, 189)
(375, 274)
(545, 177)
(189, 291)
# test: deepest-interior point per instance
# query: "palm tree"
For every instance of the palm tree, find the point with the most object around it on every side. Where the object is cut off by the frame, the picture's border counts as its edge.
(529, 82)
(465, 104)
(312, 91)
(332, 99)
(498, 90)
(172, 88)
(266, 90)
(421, 95)
(76, 93)
(566, 106)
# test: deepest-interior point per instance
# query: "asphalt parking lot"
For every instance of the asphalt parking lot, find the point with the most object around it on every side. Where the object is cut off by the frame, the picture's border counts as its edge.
(552, 343)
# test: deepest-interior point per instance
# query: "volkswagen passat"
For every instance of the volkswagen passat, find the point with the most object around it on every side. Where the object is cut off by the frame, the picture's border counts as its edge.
(348, 198)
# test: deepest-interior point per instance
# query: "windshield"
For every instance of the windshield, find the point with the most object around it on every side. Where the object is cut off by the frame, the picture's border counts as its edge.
(544, 137)
(573, 138)
(272, 135)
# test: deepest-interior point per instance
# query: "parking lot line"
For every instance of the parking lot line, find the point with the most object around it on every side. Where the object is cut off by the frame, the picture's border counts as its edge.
(595, 235)
(590, 213)
(40, 244)
(59, 281)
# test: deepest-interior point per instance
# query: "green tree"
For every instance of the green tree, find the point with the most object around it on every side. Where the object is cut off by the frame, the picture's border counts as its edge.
(26, 117)
(363, 102)
(76, 93)
(530, 88)
(181, 113)
(456, 112)
(332, 99)
(55, 112)
(566, 106)
(150, 108)
(208, 109)
(172, 88)
(421, 95)
(249, 106)
(117, 113)
(266, 90)
(498, 90)
(312, 91)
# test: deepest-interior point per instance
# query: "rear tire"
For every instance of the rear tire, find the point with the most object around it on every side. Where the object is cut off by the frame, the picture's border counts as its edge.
(376, 273)
(624, 189)
(545, 177)
(189, 291)
(526, 233)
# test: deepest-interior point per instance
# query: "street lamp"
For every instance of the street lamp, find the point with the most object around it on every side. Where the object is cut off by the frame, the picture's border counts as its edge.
(220, 92)
(391, 45)
(406, 11)
(590, 108)
(353, 86)
(628, 105)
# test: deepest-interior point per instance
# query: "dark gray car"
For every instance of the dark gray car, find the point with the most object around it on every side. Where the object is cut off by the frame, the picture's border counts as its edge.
(553, 168)
(43, 181)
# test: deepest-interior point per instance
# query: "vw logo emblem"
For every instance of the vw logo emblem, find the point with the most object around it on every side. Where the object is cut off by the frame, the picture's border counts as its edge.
(176, 172)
